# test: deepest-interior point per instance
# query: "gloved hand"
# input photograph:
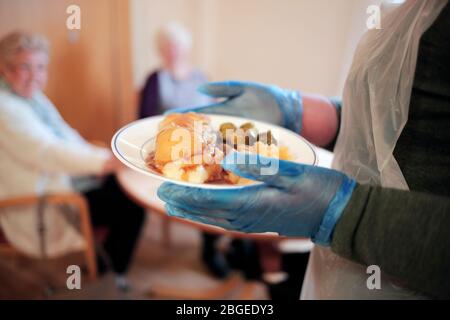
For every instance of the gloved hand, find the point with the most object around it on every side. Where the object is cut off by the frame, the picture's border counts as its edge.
(254, 101)
(298, 200)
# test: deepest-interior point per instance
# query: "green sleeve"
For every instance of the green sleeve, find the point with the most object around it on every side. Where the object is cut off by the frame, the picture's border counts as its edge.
(405, 233)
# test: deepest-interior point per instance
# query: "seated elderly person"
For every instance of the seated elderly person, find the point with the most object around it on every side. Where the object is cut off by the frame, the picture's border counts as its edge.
(42, 154)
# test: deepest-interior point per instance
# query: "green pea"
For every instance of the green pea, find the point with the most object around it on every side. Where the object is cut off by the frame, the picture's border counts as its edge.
(267, 138)
(251, 136)
(247, 126)
(227, 126)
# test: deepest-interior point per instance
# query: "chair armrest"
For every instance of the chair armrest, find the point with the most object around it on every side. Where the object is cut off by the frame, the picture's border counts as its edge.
(56, 198)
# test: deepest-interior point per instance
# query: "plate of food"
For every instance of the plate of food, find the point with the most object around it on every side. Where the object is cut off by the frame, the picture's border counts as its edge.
(188, 148)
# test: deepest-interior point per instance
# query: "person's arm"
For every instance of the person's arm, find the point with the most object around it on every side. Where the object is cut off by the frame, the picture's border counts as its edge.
(52, 112)
(30, 142)
(320, 121)
(314, 117)
(149, 99)
(407, 234)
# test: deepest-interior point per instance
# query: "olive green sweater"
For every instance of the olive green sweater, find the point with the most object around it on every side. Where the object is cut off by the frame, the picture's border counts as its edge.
(407, 233)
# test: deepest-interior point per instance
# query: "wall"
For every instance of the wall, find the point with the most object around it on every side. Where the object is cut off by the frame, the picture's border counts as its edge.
(302, 44)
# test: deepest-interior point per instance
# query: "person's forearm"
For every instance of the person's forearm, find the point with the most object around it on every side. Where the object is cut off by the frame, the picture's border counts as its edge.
(320, 120)
(407, 234)
(29, 142)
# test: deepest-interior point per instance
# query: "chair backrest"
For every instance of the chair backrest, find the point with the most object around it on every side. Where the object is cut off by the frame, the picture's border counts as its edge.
(74, 200)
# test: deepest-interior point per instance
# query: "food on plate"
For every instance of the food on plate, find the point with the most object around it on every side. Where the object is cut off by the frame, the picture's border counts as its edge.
(189, 148)
(186, 149)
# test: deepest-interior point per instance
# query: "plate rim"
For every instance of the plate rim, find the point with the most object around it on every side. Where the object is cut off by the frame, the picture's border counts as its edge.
(132, 166)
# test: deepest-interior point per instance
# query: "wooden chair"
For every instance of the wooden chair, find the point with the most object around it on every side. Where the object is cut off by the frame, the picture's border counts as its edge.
(72, 199)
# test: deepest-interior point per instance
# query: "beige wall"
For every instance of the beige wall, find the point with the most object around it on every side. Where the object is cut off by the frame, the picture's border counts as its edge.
(301, 44)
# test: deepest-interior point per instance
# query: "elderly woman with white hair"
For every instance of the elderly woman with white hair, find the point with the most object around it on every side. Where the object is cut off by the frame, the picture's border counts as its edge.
(175, 84)
(42, 154)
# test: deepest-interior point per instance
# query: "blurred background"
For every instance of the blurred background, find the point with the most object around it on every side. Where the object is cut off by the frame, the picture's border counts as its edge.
(299, 44)
(96, 75)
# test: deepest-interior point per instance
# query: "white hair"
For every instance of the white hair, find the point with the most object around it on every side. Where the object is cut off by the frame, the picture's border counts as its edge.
(18, 41)
(176, 33)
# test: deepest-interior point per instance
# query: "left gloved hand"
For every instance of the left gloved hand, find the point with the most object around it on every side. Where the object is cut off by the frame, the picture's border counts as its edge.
(255, 101)
(294, 200)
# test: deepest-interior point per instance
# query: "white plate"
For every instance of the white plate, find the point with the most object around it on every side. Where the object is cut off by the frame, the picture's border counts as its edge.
(132, 143)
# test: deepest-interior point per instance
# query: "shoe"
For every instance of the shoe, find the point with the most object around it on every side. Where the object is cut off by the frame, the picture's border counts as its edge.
(122, 283)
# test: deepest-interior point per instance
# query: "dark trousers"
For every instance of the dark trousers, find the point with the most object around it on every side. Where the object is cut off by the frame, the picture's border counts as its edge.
(241, 255)
(209, 245)
(294, 264)
(111, 208)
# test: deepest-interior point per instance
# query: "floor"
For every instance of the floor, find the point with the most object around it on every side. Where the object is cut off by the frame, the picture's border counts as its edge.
(159, 271)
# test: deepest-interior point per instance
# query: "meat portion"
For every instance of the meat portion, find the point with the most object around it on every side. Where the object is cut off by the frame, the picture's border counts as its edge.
(186, 149)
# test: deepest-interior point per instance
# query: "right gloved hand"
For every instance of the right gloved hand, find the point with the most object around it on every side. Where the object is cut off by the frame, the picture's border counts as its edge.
(256, 101)
(295, 200)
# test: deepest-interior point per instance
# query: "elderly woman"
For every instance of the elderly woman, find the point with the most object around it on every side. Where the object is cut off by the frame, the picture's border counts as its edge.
(175, 84)
(42, 154)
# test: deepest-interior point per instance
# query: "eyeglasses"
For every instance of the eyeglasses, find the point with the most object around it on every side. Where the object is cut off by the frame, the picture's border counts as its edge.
(28, 67)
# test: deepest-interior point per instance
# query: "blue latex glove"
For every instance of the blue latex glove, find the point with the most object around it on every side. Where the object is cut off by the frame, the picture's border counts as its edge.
(254, 101)
(298, 200)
